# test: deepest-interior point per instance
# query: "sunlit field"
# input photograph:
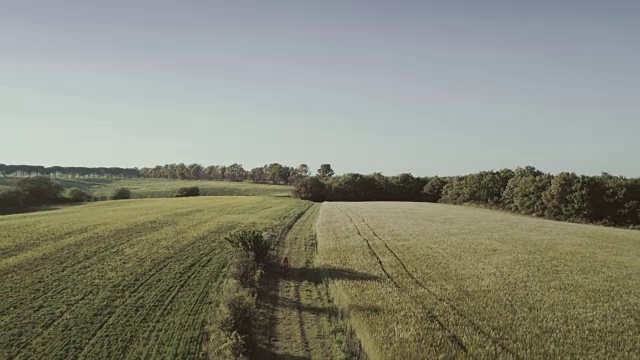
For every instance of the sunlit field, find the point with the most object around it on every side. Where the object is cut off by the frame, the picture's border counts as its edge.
(120, 279)
(458, 281)
(163, 188)
(158, 188)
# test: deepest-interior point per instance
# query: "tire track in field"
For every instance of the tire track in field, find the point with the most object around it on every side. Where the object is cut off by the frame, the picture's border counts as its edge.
(102, 245)
(134, 295)
(195, 260)
(402, 264)
(373, 252)
(104, 250)
(192, 273)
(100, 253)
(303, 331)
(475, 326)
(450, 334)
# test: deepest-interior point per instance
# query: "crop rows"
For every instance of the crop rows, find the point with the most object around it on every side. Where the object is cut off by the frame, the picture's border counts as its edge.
(128, 279)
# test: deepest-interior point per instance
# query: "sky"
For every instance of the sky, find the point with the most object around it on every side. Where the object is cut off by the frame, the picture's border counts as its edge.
(430, 88)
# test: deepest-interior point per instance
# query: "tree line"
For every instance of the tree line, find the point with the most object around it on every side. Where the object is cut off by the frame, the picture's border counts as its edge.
(604, 199)
(68, 172)
(273, 173)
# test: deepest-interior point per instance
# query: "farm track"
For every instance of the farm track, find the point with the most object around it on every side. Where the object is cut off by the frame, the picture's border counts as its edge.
(455, 315)
(298, 300)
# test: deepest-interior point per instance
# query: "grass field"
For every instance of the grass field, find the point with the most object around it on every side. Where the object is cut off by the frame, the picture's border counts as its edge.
(158, 188)
(164, 188)
(88, 185)
(463, 282)
(120, 279)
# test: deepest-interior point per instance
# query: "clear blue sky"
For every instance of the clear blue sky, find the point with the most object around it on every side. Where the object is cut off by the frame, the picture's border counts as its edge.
(446, 87)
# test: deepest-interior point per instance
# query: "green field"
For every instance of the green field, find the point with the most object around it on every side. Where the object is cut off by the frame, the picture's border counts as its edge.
(158, 188)
(142, 279)
(163, 188)
(463, 282)
(120, 279)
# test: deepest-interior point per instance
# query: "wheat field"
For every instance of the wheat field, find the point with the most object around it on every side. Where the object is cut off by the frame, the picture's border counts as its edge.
(452, 281)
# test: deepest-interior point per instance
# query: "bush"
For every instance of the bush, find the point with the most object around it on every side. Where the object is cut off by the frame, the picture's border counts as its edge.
(252, 242)
(121, 194)
(188, 191)
(12, 199)
(39, 190)
(77, 195)
(245, 270)
(233, 334)
(235, 327)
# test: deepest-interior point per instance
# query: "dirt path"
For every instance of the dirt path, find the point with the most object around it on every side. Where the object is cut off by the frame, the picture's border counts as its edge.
(299, 302)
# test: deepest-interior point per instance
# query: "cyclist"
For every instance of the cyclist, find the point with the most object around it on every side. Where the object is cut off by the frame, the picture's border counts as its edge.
(284, 265)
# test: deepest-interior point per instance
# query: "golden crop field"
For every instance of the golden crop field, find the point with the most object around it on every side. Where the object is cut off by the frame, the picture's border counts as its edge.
(120, 279)
(452, 281)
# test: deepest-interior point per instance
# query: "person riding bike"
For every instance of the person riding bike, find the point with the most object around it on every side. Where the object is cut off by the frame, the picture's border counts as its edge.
(284, 265)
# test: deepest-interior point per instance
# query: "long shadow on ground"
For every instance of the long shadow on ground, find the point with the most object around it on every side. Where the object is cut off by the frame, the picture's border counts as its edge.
(269, 300)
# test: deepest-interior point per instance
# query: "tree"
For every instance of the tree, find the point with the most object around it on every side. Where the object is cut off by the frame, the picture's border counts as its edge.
(195, 171)
(558, 197)
(524, 193)
(277, 174)
(325, 171)
(39, 190)
(214, 172)
(351, 187)
(299, 173)
(182, 172)
(433, 189)
(121, 194)
(77, 195)
(235, 172)
(257, 175)
(587, 199)
(310, 188)
(406, 187)
(252, 242)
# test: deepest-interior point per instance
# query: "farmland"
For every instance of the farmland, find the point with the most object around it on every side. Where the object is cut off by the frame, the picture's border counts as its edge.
(142, 278)
(125, 279)
(300, 309)
(458, 281)
(161, 188)
(164, 188)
